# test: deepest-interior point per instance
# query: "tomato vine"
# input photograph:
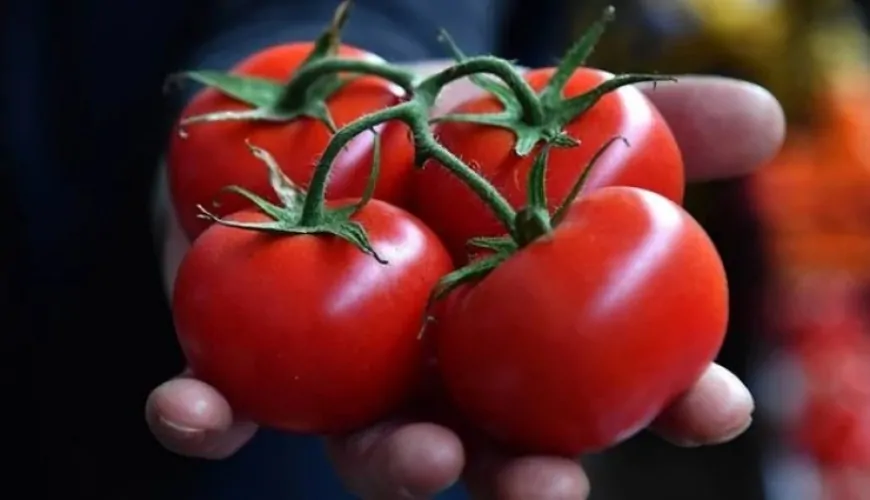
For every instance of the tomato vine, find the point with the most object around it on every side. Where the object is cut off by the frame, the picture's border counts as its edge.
(537, 119)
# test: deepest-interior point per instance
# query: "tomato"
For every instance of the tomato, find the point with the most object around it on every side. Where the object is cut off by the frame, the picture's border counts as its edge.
(581, 338)
(211, 156)
(432, 402)
(653, 160)
(307, 333)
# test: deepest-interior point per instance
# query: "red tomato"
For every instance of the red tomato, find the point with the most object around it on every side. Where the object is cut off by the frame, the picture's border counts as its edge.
(580, 339)
(432, 402)
(214, 155)
(652, 161)
(307, 333)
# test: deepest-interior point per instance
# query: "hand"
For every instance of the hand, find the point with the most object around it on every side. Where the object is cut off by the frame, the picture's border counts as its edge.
(725, 128)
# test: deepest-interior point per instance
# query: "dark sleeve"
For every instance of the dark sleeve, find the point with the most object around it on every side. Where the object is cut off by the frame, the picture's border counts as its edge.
(397, 30)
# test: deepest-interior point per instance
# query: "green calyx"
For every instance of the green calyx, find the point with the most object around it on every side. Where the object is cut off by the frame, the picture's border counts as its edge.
(538, 122)
(291, 218)
(531, 223)
(275, 101)
(543, 119)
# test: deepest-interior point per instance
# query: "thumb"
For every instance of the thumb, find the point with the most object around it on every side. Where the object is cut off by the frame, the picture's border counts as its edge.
(191, 418)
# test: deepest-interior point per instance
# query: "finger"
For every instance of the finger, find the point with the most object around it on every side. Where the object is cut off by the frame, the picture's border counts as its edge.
(724, 127)
(493, 476)
(189, 417)
(398, 461)
(718, 408)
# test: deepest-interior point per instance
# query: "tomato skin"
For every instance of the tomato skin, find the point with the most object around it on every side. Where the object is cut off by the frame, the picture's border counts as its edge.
(580, 339)
(214, 155)
(307, 333)
(653, 161)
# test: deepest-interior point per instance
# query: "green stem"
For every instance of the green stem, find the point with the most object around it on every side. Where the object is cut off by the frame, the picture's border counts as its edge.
(576, 56)
(532, 223)
(500, 207)
(415, 114)
(533, 111)
(309, 74)
(339, 19)
(313, 209)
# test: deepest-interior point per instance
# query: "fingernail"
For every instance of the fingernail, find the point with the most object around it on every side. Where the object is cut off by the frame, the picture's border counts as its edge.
(728, 436)
(180, 431)
(739, 394)
(682, 443)
(405, 494)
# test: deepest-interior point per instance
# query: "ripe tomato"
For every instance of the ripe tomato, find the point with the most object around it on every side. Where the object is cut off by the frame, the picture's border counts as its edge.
(307, 333)
(211, 156)
(652, 161)
(581, 338)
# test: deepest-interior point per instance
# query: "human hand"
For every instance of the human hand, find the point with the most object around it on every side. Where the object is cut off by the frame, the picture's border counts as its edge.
(725, 128)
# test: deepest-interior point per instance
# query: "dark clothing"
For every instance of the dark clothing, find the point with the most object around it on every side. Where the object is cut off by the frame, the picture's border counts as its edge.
(87, 332)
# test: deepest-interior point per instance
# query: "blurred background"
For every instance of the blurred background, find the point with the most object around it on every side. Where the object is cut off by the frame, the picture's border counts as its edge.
(795, 237)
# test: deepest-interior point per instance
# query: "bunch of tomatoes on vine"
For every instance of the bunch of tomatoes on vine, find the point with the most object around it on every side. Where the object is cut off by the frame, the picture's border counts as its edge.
(522, 260)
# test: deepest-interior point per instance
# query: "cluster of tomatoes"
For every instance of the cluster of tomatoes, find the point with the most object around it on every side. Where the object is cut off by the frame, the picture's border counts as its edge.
(560, 334)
